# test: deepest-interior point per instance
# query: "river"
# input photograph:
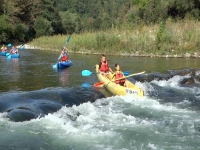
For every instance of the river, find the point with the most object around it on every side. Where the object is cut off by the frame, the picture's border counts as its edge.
(44, 108)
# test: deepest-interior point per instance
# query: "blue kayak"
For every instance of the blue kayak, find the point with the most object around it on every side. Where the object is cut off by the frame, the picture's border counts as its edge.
(66, 64)
(3, 53)
(13, 56)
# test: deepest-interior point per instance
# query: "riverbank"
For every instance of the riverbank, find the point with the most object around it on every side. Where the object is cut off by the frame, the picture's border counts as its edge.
(168, 39)
(187, 55)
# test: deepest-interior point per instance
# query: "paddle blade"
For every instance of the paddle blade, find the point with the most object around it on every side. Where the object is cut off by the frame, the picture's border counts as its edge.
(7, 54)
(86, 73)
(126, 73)
(22, 47)
(9, 45)
(55, 65)
(99, 84)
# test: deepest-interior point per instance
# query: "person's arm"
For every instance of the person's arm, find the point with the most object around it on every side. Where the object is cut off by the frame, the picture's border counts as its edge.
(99, 66)
(123, 75)
(110, 70)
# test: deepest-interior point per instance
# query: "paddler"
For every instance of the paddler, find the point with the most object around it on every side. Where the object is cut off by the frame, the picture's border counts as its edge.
(104, 68)
(63, 56)
(119, 74)
(4, 48)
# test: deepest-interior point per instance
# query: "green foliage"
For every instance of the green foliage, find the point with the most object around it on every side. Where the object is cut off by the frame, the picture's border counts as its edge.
(71, 22)
(51, 13)
(106, 41)
(159, 37)
(43, 27)
(4, 28)
(78, 16)
(171, 38)
(19, 32)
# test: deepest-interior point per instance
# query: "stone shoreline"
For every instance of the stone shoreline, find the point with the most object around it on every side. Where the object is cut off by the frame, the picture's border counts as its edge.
(187, 55)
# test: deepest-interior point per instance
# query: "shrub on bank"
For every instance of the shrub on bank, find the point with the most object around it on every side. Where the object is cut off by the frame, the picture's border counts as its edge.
(167, 38)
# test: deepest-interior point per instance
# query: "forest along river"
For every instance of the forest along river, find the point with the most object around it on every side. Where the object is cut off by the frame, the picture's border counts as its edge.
(43, 108)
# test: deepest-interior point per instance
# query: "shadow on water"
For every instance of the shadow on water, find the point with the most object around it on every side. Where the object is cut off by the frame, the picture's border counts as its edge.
(28, 105)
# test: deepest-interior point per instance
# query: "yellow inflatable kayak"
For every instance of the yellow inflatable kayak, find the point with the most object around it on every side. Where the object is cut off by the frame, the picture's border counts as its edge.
(116, 89)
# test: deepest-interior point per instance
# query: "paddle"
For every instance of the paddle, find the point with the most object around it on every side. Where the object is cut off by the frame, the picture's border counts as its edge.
(56, 64)
(100, 84)
(126, 73)
(67, 40)
(22, 47)
(9, 45)
(129, 76)
(88, 73)
(7, 54)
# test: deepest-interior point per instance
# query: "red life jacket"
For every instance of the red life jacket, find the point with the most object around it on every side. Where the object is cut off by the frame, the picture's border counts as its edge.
(64, 57)
(118, 74)
(104, 66)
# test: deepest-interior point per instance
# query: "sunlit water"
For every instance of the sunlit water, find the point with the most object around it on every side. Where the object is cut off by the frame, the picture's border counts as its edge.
(69, 116)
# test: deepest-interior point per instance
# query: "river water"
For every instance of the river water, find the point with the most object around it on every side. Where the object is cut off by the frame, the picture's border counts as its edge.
(43, 108)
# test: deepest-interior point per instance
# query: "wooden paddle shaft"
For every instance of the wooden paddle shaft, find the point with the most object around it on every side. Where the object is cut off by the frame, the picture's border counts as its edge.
(130, 75)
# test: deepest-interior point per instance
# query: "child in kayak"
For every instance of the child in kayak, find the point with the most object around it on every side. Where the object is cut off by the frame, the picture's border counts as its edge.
(14, 50)
(4, 48)
(118, 74)
(63, 56)
(104, 68)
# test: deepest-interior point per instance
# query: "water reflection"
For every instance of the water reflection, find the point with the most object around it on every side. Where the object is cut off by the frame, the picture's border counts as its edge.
(16, 68)
(63, 76)
(13, 69)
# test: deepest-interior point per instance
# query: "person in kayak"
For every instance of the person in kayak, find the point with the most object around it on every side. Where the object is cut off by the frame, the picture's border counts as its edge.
(64, 55)
(4, 48)
(104, 68)
(13, 50)
(117, 75)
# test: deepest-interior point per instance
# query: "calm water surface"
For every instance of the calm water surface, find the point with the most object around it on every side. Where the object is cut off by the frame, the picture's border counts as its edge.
(43, 108)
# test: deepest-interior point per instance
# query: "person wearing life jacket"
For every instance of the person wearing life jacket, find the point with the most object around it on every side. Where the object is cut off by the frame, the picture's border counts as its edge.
(104, 68)
(13, 50)
(119, 74)
(4, 48)
(63, 56)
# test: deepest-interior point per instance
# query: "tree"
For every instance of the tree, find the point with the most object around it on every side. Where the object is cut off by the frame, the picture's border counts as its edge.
(19, 32)
(43, 27)
(51, 13)
(4, 28)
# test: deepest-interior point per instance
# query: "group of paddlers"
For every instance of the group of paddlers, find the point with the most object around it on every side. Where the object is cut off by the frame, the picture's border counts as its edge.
(105, 70)
(13, 50)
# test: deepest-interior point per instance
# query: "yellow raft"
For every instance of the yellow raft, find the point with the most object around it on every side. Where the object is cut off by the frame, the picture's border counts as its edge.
(116, 89)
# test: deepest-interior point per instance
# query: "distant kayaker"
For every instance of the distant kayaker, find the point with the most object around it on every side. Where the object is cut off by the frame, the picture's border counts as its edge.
(64, 55)
(104, 67)
(13, 50)
(119, 74)
(4, 48)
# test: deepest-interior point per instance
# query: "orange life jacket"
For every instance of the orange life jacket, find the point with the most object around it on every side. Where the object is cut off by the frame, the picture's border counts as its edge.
(119, 74)
(104, 66)
(64, 57)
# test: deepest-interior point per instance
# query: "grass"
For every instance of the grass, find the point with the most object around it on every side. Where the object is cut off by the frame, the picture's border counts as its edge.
(169, 39)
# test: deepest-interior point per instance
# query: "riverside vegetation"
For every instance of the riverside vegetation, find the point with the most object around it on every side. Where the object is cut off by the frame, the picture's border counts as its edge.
(167, 39)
